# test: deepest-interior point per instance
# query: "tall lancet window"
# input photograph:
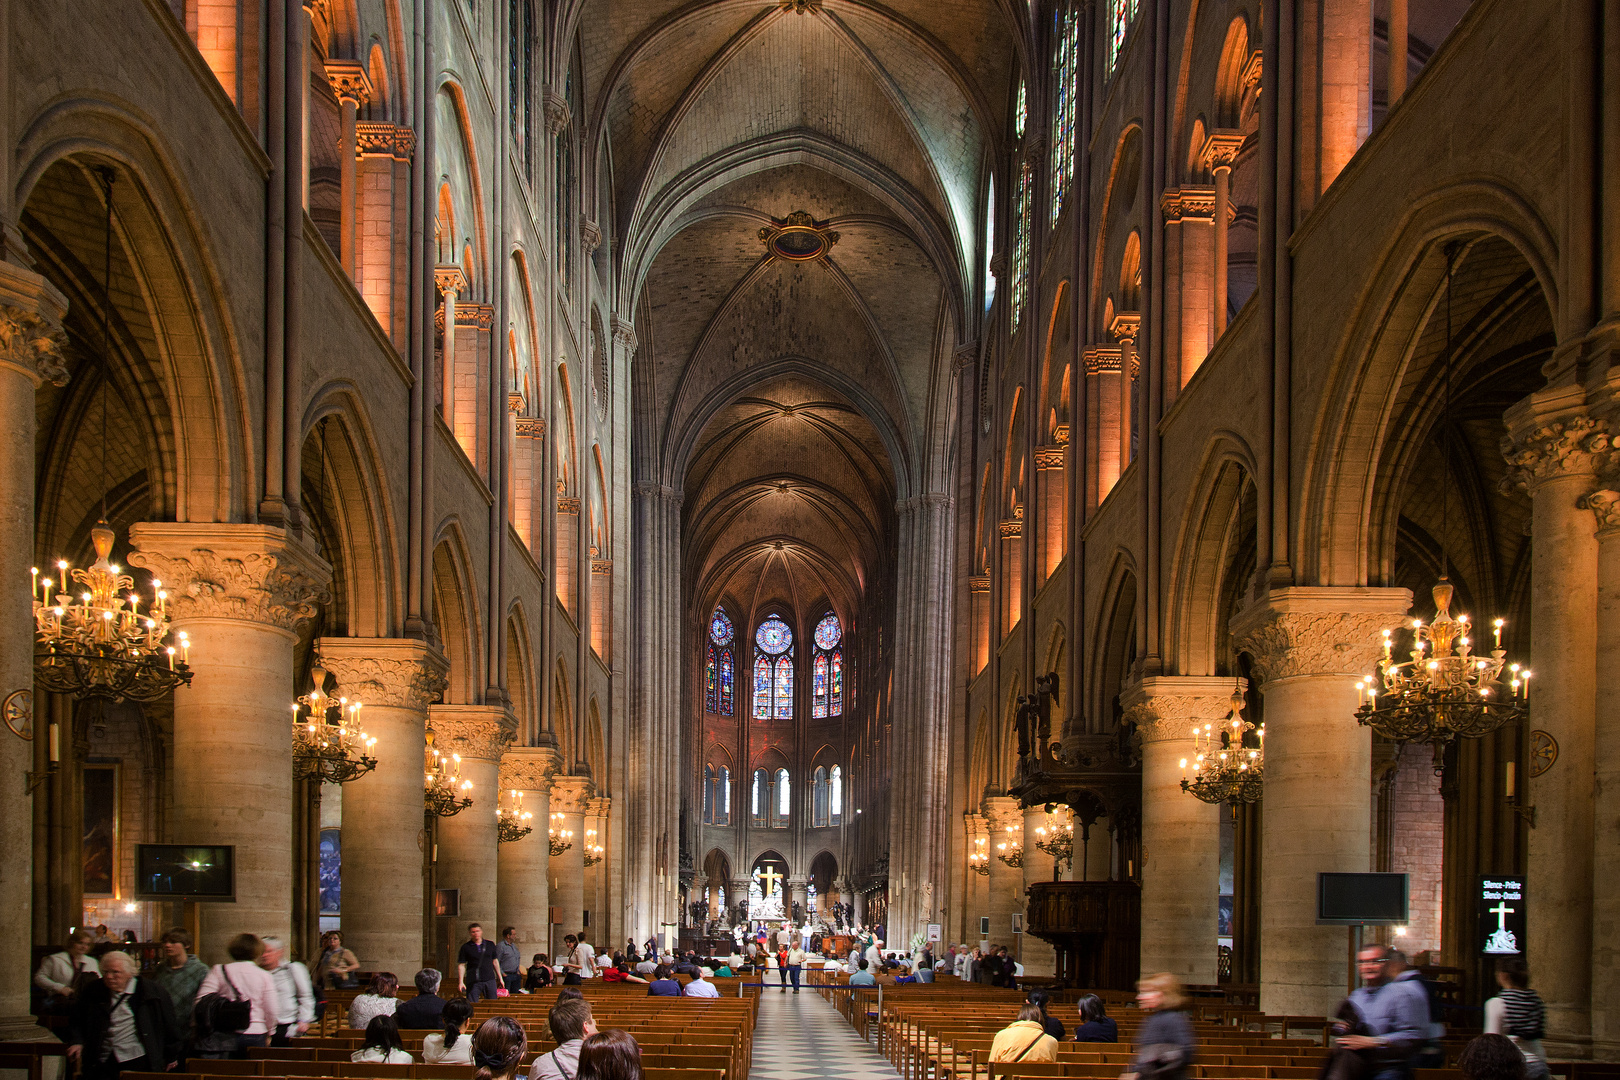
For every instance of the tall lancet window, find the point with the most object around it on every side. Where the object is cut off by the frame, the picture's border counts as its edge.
(827, 670)
(773, 670)
(719, 666)
(1065, 37)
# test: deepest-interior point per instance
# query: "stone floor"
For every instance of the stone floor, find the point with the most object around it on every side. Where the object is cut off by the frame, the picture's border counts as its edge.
(802, 1037)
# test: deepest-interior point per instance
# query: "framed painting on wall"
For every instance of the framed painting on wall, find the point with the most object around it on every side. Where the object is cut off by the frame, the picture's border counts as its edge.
(331, 872)
(100, 846)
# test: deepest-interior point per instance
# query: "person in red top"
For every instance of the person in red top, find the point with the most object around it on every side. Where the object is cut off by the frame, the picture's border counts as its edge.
(621, 973)
(782, 965)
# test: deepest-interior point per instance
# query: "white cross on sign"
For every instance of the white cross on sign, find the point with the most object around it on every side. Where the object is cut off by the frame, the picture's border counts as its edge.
(1502, 911)
(767, 877)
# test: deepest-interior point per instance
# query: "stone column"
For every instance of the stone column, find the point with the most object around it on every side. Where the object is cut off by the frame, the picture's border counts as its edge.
(1181, 844)
(796, 894)
(449, 281)
(31, 343)
(737, 890)
(1125, 329)
(597, 814)
(1605, 505)
(1037, 956)
(1309, 646)
(240, 591)
(523, 876)
(467, 841)
(1006, 883)
(1550, 452)
(395, 679)
(352, 87)
(570, 797)
(1219, 153)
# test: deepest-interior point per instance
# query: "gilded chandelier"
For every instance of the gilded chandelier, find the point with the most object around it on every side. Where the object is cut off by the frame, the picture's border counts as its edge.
(593, 850)
(979, 858)
(1228, 766)
(1445, 690)
(561, 839)
(1011, 850)
(100, 644)
(1056, 837)
(444, 791)
(513, 819)
(329, 746)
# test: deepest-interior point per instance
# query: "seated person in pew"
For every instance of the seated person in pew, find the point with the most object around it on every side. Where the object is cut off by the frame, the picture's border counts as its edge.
(382, 1045)
(423, 1010)
(862, 977)
(453, 1047)
(378, 1000)
(1492, 1057)
(610, 1055)
(540, 974)
(1025, 1039)
(498, 1049)
(1095, 1023)
(663, 983)
(700, 987)
(571, 1022)
(620, 973)
(1041, 999)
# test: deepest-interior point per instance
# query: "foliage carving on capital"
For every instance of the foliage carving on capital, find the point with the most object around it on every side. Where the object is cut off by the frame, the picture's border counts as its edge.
(1605, 506)
(472, 736)
(1284, 644)
(266, 588)
(571, 794)
(1001, 811)
(528, 769)
(32, 343)
(1562, 448)
(395, 682)
(1169, 717)
(557, 112)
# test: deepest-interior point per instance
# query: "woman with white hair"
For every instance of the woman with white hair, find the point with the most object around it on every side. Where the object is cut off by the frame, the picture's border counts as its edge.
(122, 1022)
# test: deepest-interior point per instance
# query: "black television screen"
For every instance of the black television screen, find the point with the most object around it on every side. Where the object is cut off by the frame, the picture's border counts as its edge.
(1361, 899)
(185, 872)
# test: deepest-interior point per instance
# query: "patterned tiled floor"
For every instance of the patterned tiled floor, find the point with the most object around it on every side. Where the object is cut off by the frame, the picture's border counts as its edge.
(802, 1037)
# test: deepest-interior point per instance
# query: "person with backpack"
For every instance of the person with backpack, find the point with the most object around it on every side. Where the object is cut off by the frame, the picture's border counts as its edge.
(236, 1003)
(1519, 1013)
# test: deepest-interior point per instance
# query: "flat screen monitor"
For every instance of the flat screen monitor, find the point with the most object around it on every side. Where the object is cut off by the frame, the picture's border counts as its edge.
(1361, 899)
(205, 873)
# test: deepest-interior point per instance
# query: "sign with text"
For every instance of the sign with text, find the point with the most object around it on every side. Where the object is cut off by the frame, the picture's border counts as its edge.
(933, 931)
(1501, 916)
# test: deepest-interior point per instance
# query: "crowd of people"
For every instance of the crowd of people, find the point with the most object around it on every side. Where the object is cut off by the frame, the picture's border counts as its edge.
(121, 1019)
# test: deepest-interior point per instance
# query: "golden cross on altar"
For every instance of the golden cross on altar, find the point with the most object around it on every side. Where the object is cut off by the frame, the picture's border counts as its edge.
(768, 877)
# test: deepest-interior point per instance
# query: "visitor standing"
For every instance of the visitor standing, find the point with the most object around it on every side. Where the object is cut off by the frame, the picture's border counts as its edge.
(243, 980)
(337, 965)
(1394, 1011)
(509, 958)
(180, 973)
(121, 1022)
(476, 972)
(795, 964)
(295, 997)
(61, 974)
(1519, 1013)
(1164, 1042)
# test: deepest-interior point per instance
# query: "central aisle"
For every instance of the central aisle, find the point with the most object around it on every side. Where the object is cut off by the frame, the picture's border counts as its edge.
(802, 1037)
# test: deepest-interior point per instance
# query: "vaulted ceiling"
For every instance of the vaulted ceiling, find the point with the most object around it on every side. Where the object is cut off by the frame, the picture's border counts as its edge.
(795, 400)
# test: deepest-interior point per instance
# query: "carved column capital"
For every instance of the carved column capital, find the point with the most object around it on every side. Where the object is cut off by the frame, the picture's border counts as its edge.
(1168, 707)
(349, 80)
(557, 112)
(396, 673)
(599, 807)
(624, 335)
(1564, 447)
(245, 573)
(590, 235)
(1318, 630)
(531, 427)
(473, 731)
(1221, 149)
(1001, 811)
(449, 278)
(31, 338)
(529, 768)
(1605, 506)
(571, 794)
(1126, 326)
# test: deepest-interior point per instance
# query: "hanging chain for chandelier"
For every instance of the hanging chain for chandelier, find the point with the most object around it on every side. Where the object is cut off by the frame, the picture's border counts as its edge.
(100, 644)
(329, 745)
(1227, 766)
(1445, 690)
(512, 821)
(444, 792)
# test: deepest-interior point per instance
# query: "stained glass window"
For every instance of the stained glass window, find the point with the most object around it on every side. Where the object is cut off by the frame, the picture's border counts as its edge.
(784, 800)
(762, 687)
(989, 245)
(773, 636)
(1121, 14)
(757, 804)
(708, 795)
(718, 666)
(818, 687)
(1020, 255)
(820, 798)
(784, 688)
(520, 78)
(828, 631)
(724, 816)
(1020, 111)
(564, 185)
(835, 694)
(837, 800)
(1065, 33)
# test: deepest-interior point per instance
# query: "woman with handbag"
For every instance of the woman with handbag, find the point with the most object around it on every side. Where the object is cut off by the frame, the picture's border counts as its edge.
(1025, 1039)
(231, 985)
(1164, 1042)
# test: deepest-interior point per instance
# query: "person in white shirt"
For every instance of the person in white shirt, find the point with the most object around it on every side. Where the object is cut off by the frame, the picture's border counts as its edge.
(382, 1046)
(581, 962)
(378, 1000)
(700, 987)
(295, 997)
(452, 1047)
(57, 971)
(244, 979)
(874, 955)
(122, 1023)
